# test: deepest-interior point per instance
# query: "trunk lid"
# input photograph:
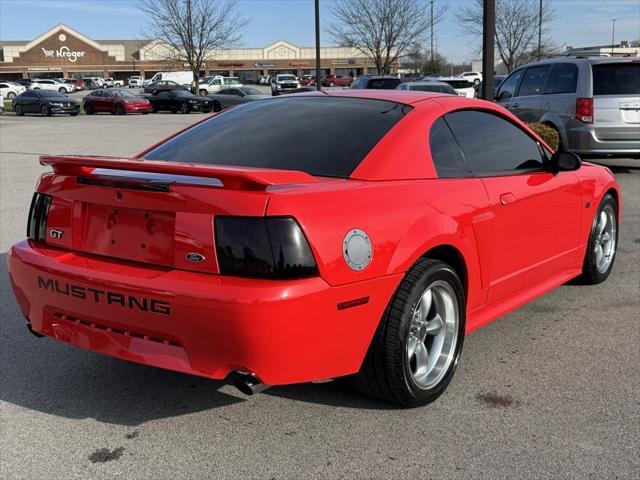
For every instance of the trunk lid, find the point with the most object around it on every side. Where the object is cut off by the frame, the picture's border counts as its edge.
(152, 212)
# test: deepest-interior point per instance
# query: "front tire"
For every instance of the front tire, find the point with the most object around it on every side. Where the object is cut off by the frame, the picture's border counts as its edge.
(416, 348)
(217, 107)
(19, 111)
(44, 110)
(184, 108)
(11, 96)
(88, 109)
(120, 110)
(603, 242)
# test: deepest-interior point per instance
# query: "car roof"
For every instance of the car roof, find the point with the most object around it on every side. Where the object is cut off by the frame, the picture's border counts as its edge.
(406, 97)
(430, 83)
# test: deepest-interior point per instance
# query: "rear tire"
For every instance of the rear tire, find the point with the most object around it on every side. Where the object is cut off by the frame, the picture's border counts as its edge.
(62, 90)
(416, 348)
(603, 243)
(203, 93)
(11, 96)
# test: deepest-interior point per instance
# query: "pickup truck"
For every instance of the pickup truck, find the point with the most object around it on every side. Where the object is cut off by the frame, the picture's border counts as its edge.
(283, 82)
(110, 82)
(217, 83)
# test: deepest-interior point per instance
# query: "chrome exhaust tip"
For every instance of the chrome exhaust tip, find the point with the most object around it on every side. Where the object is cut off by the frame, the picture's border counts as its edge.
(248, 384)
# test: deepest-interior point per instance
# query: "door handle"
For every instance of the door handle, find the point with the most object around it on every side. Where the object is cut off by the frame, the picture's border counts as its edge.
(507, 198)
(515, 105)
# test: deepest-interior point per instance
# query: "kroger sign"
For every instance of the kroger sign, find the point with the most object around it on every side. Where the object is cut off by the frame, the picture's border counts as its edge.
(63, 52)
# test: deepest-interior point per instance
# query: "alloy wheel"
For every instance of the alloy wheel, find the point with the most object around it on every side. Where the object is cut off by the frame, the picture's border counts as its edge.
(605, 242)
(433, 334)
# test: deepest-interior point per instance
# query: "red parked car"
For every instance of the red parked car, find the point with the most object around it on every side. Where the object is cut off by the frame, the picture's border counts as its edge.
(308, 81)
(116, 101)
(365, 243)
(336, 81)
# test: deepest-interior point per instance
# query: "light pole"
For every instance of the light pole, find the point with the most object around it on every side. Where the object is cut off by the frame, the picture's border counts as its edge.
(488, 39)
(318, 83)
(431, 30)
(613, 33)
(540, 30)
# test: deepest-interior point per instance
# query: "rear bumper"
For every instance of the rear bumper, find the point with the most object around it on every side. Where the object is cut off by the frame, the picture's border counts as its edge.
(207, 325)
(583, 140)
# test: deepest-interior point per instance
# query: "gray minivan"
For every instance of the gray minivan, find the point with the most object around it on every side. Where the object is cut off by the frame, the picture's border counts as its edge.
(593, 103)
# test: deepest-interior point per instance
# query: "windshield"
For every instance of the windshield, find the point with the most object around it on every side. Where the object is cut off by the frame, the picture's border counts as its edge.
(285, 78)
(231, 81)
(124, 94)
(251, 91)
(183, 93)
(251, 135)
(616, 79)
(53, 95)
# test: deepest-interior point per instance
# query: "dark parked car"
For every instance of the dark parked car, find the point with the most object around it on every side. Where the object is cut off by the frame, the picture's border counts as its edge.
(497, 80)
(163, 85)
(45, 102)
(377, 82)
(336, 81)
(179, 100)
(229, 97)
(116, 101)
(437, 87)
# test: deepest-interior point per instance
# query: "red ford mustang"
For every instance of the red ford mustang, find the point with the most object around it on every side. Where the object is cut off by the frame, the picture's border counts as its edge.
(364, 243)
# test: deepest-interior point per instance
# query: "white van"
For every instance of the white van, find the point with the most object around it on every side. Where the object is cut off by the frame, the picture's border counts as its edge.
(183, 78)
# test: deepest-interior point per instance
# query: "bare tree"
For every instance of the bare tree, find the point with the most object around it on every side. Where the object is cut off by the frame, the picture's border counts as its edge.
(190, 29)
(385, 30)
(516, 27)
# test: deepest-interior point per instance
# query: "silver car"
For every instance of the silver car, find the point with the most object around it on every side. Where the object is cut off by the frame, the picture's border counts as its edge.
(593, 103)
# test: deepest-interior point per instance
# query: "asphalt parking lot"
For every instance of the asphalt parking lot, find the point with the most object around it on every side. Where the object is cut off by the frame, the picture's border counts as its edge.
(549, 391)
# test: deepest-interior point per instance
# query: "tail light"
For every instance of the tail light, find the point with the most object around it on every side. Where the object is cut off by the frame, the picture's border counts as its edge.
(584, 110)
(38, 213)
(267, 247)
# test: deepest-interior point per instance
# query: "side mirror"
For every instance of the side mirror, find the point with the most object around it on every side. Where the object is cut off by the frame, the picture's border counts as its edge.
(563, 161)
(504, 95)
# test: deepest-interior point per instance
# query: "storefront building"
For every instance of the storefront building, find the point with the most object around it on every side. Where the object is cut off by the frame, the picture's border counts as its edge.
(64, 52)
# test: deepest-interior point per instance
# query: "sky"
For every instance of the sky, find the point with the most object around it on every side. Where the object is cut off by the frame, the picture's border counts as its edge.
(577, 22)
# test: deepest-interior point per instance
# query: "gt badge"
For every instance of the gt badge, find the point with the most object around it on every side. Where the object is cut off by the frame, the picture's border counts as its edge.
(57, 234)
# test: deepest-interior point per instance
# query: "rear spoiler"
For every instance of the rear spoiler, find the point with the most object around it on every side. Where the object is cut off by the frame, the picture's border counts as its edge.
(236, 178)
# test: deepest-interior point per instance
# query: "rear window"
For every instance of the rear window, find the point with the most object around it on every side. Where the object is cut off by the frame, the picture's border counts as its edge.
(384, 83)
(322, 136)
(616, 79)
(458, 83)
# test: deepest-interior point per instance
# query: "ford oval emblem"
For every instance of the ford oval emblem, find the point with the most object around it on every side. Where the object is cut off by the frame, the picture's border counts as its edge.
(194, 257)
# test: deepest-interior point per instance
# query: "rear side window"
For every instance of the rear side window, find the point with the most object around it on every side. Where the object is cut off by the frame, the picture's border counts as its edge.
(563, 79)
(616, 79)
(445, 151)
(493, 145)
(277, 133)
(533, 81)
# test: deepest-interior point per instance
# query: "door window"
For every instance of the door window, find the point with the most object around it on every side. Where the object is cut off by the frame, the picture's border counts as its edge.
(164, 95)
(533, 81)
(445, 151)
(563, 79)
(493, 145)
(508, 87)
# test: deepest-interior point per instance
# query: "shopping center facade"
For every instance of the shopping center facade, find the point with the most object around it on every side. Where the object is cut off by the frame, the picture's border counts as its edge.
(64, 52)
